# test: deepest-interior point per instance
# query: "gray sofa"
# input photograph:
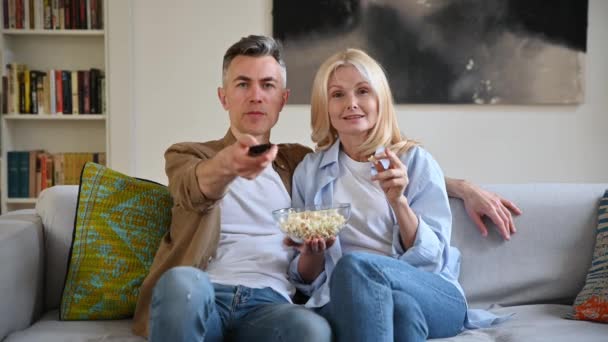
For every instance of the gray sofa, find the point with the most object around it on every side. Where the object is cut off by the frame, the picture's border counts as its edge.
(535, 276)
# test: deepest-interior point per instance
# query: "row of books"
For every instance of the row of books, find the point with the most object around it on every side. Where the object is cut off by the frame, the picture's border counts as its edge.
(30, 172)
(26, 91)
(53, 14)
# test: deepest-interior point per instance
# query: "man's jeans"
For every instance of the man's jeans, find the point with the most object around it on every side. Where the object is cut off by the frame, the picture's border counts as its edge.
(186, 306)
(379, 298)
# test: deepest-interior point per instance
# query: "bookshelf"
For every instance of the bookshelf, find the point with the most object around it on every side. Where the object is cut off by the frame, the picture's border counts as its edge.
(64, 49)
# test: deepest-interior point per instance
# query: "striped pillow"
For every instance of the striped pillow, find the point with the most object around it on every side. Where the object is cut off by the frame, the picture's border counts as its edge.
(591, 304)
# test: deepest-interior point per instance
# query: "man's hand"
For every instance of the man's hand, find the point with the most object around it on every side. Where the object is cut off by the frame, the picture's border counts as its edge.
(479, 202)
(215, 175)
(235, 158)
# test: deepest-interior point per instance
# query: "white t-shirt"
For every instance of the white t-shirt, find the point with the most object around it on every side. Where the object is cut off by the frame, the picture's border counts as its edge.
(369, 228)
(251, 251)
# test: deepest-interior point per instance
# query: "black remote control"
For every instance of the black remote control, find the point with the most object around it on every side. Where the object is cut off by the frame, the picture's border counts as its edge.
(257, 150)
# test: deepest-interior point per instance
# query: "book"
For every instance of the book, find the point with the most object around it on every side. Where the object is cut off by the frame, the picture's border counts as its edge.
(41, 94)
(94, 92)
(5, 13)
(58, 167)
(12, 173)
(4, 94)
(13, 88)
(75, 95)
(81, 92)
(12, 20)
(52, 92)
(27, 103)
(86, 91)
(58, 92)
(66, 81)
(24, 171)
(33, 92)
(48, 15)
(20, 89)
(68, 13)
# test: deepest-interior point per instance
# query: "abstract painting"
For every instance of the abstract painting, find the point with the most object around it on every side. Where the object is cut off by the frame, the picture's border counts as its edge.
(510, 52)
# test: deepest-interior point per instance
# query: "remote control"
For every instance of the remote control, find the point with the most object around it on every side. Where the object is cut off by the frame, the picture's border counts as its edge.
(257, 150)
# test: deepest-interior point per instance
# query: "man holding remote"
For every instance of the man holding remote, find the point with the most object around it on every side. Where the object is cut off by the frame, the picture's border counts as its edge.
(221, 270)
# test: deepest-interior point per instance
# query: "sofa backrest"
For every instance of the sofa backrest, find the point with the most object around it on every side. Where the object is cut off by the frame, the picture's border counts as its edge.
(546, 261)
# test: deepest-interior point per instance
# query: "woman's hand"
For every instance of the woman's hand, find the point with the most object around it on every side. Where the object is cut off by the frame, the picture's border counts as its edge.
(312, 246)
(393, 180)
(312, 256)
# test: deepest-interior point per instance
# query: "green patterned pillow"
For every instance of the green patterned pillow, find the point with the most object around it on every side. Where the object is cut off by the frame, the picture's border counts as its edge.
(120, 221)
(591, 304)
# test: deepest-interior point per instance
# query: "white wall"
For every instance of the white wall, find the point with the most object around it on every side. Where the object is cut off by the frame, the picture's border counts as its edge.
(177, 53)
(119, 68)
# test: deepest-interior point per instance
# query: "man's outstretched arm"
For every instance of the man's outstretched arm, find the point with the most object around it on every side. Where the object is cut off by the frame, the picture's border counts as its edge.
(196, 181)
(215, 175)
(479, 203)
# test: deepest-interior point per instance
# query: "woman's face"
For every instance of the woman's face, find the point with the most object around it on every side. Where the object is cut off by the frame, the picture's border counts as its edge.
(352, 104)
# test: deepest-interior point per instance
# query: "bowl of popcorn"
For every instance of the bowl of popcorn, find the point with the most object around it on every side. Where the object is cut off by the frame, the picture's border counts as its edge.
(317, 221)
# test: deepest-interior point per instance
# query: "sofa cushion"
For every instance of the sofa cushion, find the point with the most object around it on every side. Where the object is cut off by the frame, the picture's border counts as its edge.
(56, 207)
(119, 223)
(592, 302)
(530, 323)
(542, 322)
(50, 329)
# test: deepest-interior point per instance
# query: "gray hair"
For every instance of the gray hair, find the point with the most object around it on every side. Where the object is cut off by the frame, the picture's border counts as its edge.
(255, 46)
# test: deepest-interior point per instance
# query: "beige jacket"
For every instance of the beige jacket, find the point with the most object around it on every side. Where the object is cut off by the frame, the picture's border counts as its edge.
(194, 233)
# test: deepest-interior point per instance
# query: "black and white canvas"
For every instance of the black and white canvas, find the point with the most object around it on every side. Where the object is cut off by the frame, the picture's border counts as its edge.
(517, 52)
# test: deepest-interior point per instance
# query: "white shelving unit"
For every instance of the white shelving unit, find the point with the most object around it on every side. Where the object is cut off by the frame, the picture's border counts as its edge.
(45, 50)
(29, 32)
(55, 117)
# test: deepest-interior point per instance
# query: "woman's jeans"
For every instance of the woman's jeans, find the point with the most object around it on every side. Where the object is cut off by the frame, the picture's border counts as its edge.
(186, 306)
(379, 298)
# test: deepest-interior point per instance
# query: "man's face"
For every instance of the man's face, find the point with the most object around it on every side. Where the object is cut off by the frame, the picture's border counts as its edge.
(253, 94)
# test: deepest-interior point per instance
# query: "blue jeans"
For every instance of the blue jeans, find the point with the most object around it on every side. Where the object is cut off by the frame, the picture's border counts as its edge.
(186, 306)
(379, 298)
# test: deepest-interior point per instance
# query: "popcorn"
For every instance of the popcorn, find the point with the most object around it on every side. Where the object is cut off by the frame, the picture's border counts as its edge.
(313, 224)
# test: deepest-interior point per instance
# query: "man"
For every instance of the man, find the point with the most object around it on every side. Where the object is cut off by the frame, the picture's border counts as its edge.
(222, 222)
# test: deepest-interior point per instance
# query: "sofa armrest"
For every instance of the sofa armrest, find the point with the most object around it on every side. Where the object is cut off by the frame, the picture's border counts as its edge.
(21, 270)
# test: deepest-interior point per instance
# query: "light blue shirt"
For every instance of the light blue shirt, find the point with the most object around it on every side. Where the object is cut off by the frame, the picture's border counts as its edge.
(313, 184)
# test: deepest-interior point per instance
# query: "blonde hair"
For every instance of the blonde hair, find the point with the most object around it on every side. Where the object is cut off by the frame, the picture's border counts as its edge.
(386, 131)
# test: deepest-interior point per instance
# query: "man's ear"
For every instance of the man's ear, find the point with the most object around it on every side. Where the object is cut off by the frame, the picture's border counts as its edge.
(286, 93)
(221, 94)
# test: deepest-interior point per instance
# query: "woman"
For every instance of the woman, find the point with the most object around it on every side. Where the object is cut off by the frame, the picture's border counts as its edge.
(393, 273)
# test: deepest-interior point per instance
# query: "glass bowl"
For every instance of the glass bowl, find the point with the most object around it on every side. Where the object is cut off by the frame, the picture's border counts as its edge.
(316, 221)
